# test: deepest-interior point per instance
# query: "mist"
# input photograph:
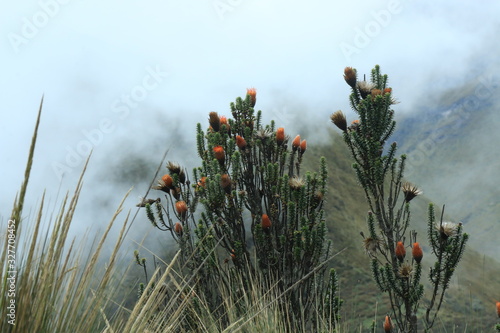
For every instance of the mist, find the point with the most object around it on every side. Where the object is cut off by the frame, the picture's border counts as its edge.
(130, 81)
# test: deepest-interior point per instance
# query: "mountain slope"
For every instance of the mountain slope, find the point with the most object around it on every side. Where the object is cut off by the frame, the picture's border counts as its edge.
(470, 292)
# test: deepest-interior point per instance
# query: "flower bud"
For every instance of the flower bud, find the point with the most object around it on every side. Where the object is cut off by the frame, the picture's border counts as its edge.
(167, 180)
(214, 121)
(266, 222)
(417, 252)
(253, 96)
(181, 208)
(219, 154)
(223, 121)
(225, 183)
(387, 324)
(303, 146)
(296, 143)
(400, 251)
(280, 136)
(240, 142)
(178, 228)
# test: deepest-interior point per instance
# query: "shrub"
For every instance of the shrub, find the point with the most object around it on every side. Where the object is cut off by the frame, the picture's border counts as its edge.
(260, 218)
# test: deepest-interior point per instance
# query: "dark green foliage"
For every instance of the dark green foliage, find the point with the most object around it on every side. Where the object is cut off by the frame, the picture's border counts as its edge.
(259, 217)
(380, 174)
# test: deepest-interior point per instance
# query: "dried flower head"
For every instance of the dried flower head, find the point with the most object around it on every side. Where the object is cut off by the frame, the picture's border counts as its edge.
(252, 92)
(388, 324)
(447, 229)
(416, 252)
(219, 153)
(296, 182)
(400, 251)
(365, 88)
(240, 142)
(339, 119)
(405, 270)
(175, 169)
(143, 202)
(350, 76)
(265, 222)
(280, 136)
(263, 134)
(214, 121)
(410, 191)
(181, 208)
(296, 143)
(371, 245)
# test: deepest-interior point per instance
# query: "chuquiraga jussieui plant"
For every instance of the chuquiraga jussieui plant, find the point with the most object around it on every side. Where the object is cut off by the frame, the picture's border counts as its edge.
(380, 173)
(251, 215)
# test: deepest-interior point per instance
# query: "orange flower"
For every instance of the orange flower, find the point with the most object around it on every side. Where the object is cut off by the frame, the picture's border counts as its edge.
(387, 90)
(400, 251)
(266, 222)
(202, 182)
(214, 120)
(498, 309)
(303, 146)
(167, 179)
(219, 153)
(253, 96)
(223, 121)
(350, 76)
(296, 143)
(280, 136)
(181, 208)
(376, 92)
(240, 142)
(417, 252)
(387, 324)
(178, 228)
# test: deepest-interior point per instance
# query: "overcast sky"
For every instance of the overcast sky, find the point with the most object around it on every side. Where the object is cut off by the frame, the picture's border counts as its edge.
(131, 78)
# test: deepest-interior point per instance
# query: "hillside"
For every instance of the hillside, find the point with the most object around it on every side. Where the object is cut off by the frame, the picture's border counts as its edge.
(453, 154)
(469, 302)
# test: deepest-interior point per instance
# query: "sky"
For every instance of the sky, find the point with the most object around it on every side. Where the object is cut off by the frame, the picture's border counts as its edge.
(130, 79)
